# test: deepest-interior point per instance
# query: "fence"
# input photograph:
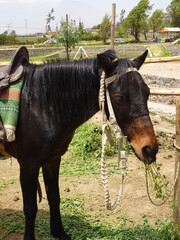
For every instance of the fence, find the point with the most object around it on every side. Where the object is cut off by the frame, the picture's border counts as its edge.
(174, 92)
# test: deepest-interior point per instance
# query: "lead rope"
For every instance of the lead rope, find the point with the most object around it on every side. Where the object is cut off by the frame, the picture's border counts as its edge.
(106, 133)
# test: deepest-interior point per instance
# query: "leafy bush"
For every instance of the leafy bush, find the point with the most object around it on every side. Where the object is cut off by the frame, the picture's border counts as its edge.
(87, 143)
(8, 40)
(88, 36)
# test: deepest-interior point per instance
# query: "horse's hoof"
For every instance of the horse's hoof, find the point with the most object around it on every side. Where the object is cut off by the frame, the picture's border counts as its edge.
(61, 235)
(65, 237)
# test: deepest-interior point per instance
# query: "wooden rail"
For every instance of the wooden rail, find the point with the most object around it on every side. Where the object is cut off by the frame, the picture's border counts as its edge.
(162, 59)
(165, 91)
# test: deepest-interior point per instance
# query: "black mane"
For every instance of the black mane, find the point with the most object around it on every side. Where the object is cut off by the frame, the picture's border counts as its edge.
(73, 85)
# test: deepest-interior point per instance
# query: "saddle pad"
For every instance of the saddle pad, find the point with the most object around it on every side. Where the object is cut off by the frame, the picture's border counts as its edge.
(9, 108)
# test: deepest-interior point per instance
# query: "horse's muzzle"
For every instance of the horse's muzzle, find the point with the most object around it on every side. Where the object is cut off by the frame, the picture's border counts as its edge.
(149, 153)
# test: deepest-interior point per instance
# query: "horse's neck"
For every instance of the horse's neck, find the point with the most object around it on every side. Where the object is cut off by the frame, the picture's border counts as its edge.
(81, 97)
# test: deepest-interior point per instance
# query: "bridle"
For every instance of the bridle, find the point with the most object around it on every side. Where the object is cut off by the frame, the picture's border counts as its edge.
(106, 134)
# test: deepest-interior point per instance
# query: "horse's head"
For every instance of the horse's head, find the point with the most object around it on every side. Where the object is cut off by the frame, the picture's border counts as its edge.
(129, 95)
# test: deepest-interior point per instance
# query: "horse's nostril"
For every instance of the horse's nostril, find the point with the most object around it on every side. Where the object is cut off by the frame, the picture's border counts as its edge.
(149, 153)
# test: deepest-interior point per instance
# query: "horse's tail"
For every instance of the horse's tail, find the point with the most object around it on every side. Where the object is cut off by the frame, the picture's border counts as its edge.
(39, 191)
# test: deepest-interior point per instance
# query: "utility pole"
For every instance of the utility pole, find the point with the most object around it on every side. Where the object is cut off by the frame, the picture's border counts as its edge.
(9, 27)
(26, 26)
(113, 25)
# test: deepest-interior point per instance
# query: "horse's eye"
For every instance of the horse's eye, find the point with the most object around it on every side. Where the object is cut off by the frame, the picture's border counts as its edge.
(119, 98)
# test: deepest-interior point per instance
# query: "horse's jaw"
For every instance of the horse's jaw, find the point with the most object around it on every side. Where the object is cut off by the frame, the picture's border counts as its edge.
(146, 153)
(141, 136)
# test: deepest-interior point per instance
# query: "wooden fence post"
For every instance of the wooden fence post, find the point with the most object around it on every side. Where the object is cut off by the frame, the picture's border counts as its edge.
(176, 210)
(113, 25)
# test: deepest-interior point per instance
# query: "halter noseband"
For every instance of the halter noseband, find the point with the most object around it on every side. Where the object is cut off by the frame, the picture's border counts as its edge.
(113, 77)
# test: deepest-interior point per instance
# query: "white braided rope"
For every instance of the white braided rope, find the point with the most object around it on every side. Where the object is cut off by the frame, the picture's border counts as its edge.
(106, 133)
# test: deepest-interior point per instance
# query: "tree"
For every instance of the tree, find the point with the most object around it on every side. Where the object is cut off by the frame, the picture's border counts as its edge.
(49, 19)
(174, 10)
(122, 14)
(136, 18)
(68, 35)
(5, 32)
(12, 33)
(119, 25)
(81, 27)
(145, 28)
(156, 20)
(105, 27)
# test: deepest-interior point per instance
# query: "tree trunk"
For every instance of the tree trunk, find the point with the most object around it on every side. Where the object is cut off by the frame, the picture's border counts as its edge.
(136, 37)
(67, 51)
(145, 37)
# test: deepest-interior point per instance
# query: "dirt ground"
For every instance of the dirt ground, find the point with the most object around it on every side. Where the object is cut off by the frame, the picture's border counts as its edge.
(164, 69)
(135, 202)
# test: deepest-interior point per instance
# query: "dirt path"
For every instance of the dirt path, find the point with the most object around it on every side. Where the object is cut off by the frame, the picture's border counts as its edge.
(167, 69)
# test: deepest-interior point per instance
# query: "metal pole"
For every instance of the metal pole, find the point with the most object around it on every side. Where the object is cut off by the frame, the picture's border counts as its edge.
(113, 25)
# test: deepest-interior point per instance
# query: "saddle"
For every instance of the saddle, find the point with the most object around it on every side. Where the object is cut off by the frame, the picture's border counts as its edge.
(13, 72)
(9, 74)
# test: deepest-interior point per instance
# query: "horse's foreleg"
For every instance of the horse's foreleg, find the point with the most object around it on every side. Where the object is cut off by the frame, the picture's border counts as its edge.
(29, 179)
(51, 180)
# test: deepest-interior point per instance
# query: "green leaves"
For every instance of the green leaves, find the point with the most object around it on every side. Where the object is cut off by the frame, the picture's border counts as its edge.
(159, 183)
(174, 10)
(68, 35)
(156, 20)
(136, 18)
(105, 27)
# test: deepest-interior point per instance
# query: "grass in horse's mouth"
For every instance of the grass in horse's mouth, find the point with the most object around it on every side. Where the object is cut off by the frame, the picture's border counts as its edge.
(157, 181)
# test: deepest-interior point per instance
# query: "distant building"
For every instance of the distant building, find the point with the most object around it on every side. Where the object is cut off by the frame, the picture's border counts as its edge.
(169, 32)
(50, 34)
(40, 35)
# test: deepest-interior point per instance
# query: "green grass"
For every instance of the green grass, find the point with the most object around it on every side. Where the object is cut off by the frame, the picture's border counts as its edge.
(158, 50)
(6, 183)
(84, 153)
(11, 222)
(82, 226)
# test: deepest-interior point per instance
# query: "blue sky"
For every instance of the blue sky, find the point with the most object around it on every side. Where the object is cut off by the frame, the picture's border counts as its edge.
(29, 16)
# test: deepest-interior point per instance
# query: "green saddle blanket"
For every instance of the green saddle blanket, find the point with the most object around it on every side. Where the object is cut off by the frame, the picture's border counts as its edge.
(9, 108)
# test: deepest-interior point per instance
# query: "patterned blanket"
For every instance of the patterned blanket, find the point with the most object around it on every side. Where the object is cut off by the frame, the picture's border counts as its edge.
(9, 108)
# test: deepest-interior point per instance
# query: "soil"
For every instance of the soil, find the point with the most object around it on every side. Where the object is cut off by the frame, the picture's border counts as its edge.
(135, 202)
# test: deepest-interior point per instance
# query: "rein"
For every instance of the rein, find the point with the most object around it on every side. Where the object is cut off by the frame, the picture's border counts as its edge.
(106, 134)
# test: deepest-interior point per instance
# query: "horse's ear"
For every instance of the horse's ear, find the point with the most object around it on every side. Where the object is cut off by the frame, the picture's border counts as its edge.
(138, 62)
(107, 63)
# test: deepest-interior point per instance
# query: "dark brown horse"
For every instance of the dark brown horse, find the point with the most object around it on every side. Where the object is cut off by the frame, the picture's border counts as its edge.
(57, 98)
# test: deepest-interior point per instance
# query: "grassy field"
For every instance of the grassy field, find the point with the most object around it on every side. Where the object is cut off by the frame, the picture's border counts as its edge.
(126, 50)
